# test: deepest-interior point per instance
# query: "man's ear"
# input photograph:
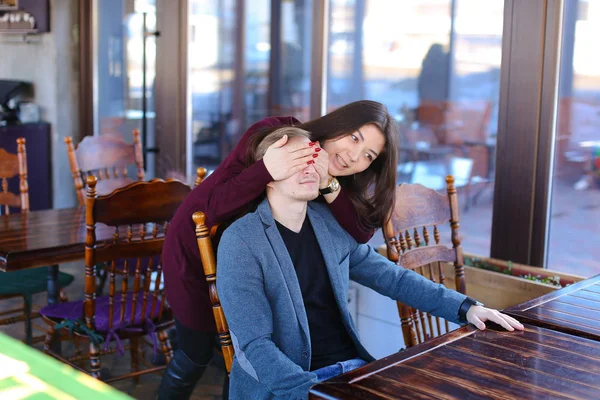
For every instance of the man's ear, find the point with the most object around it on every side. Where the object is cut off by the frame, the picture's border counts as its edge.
(270, 184)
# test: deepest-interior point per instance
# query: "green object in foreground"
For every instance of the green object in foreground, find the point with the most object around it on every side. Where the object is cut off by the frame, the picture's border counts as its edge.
(26, 373)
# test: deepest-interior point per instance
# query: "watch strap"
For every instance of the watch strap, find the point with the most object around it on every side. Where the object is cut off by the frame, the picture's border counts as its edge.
(465, 306)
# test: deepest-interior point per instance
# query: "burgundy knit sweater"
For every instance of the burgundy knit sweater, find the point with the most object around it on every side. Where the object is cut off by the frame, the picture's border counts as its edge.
(221, 196)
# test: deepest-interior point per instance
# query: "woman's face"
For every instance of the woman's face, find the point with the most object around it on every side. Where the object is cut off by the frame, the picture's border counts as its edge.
(355, 152)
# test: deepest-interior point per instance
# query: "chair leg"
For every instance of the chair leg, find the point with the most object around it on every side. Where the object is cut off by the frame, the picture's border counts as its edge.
(94, 361)
(49, 340)
(53, 288)
(135, 361)
(77, 352)
(27, 311)
(165, 344)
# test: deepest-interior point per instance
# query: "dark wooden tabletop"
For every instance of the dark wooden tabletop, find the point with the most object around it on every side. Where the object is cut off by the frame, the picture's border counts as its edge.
(574, 309)
(466, 364)
(40, 238)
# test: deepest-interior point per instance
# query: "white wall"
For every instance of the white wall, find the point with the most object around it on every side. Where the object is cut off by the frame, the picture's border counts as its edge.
(50, 61)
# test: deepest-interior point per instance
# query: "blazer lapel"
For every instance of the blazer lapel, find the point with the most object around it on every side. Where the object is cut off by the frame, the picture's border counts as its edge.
(328, 248)
(285, 264)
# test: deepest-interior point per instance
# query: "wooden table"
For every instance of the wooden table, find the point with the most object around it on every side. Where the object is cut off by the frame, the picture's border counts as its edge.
(41, 238)
(574, 309)
(467, 363)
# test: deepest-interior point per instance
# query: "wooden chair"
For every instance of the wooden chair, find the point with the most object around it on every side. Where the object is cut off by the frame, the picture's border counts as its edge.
(140, 214)
(203, 236)
(21, 284)
(420, 208)
(106, 157)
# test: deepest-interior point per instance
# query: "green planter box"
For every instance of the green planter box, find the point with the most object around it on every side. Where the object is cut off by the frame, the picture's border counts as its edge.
(500, 284)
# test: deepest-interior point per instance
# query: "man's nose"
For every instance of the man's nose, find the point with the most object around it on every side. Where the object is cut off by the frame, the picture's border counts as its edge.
(310, 169)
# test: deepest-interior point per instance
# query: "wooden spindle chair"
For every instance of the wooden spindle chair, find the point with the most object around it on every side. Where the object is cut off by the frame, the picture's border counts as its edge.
(107, 158)
(139, 215)
(413, 241)
(21, 284)
(12, 165)
(204, 237)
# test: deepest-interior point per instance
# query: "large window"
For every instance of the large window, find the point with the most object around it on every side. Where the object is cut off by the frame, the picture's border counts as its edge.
(243, 67)
(124, 71)
(436, 65)
(575, 207)
(210, 79)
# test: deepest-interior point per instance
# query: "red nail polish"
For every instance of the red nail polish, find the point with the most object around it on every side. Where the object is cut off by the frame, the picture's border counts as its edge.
(311, 144)
(310, 162)
(315, 155)
(317, 149)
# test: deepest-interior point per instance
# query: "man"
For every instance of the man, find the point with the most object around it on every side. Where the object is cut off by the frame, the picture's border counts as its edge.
(282, 276)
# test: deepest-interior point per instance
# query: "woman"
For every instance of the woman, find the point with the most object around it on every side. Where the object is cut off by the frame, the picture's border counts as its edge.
(355, 145)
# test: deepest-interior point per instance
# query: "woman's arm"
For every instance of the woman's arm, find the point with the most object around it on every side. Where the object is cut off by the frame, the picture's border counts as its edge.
(227, 198)
(233, 185)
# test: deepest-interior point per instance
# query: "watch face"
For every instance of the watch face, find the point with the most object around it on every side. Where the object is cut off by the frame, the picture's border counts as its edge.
(334, 185)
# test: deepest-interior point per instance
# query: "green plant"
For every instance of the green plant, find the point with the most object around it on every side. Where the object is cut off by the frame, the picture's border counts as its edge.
(479, 263)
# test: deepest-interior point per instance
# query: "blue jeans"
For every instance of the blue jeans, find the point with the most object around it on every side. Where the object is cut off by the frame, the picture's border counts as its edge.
(338, 368)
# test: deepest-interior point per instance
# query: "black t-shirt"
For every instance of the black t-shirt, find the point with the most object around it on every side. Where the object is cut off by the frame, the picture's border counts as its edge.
(329, 339)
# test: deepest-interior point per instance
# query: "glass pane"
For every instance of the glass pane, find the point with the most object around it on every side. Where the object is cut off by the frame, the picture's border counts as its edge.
(291, 91)
(257, 56)
(575, 201)
(125, 60)
(436, 65)
(210, 78)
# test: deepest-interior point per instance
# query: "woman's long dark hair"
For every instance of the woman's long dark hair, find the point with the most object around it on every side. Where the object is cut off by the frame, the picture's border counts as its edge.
(372, 191)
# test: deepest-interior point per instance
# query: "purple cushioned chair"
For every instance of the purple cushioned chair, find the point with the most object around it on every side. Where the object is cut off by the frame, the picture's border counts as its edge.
(135, 305)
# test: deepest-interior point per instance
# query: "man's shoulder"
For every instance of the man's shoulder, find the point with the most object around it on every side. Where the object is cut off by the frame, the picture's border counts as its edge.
(245, 227)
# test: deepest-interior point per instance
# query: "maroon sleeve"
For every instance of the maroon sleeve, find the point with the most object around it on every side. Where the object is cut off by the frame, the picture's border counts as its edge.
(230, 196)
(235, 185)
(344, 212)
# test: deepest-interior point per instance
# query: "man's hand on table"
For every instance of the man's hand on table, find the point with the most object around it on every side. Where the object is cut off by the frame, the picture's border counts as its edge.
(478, 315)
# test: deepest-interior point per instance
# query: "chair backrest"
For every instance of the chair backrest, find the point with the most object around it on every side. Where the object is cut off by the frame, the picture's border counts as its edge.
(207, 255)
(10, 166)
(140, 215)
(106, 157)
(418, 208)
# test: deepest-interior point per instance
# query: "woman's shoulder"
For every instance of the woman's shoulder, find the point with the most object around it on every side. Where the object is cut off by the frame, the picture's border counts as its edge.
(273, 121)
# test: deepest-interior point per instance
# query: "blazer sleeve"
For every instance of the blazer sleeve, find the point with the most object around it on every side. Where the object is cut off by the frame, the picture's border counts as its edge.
(248, 312)
(238, 185)
(371, 269)
(344, 212)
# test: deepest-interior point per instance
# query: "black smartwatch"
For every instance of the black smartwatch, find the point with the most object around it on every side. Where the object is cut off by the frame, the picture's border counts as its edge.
(465, 306)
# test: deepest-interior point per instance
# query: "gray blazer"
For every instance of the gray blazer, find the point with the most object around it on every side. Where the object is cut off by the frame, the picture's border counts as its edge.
(261, 297)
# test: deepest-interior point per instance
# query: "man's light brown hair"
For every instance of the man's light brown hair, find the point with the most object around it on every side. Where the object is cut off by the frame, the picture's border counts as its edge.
(274, 136)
